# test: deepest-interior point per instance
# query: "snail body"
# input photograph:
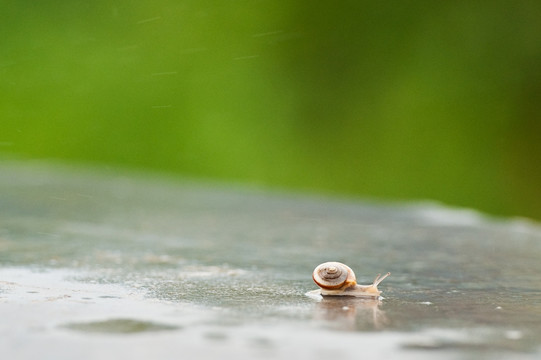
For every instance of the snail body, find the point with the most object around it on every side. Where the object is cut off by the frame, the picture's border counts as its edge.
(337, 279)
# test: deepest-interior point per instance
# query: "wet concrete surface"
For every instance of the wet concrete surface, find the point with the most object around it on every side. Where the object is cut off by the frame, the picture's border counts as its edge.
(105, 264)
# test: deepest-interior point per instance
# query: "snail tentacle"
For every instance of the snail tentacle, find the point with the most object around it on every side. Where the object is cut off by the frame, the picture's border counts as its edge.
(380, 278)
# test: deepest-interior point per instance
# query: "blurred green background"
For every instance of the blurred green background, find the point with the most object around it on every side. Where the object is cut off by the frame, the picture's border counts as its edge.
(382, 99)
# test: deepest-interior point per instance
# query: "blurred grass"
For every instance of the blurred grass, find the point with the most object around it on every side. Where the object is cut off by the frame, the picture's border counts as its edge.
(395, 100)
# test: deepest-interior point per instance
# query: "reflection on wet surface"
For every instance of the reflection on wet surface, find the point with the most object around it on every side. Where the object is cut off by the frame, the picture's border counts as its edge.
(351, 314)
(232, 268)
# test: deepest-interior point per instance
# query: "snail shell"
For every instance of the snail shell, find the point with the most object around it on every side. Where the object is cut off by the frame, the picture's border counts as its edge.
(337, 279)
(333, 275)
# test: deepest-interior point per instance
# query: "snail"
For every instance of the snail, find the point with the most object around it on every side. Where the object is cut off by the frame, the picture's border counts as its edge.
(337, 279)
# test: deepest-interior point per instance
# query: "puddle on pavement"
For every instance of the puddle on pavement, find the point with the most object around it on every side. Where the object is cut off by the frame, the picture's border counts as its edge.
(119, 326)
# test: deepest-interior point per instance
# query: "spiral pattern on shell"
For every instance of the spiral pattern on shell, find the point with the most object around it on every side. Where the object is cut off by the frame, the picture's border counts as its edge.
(332, 275)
